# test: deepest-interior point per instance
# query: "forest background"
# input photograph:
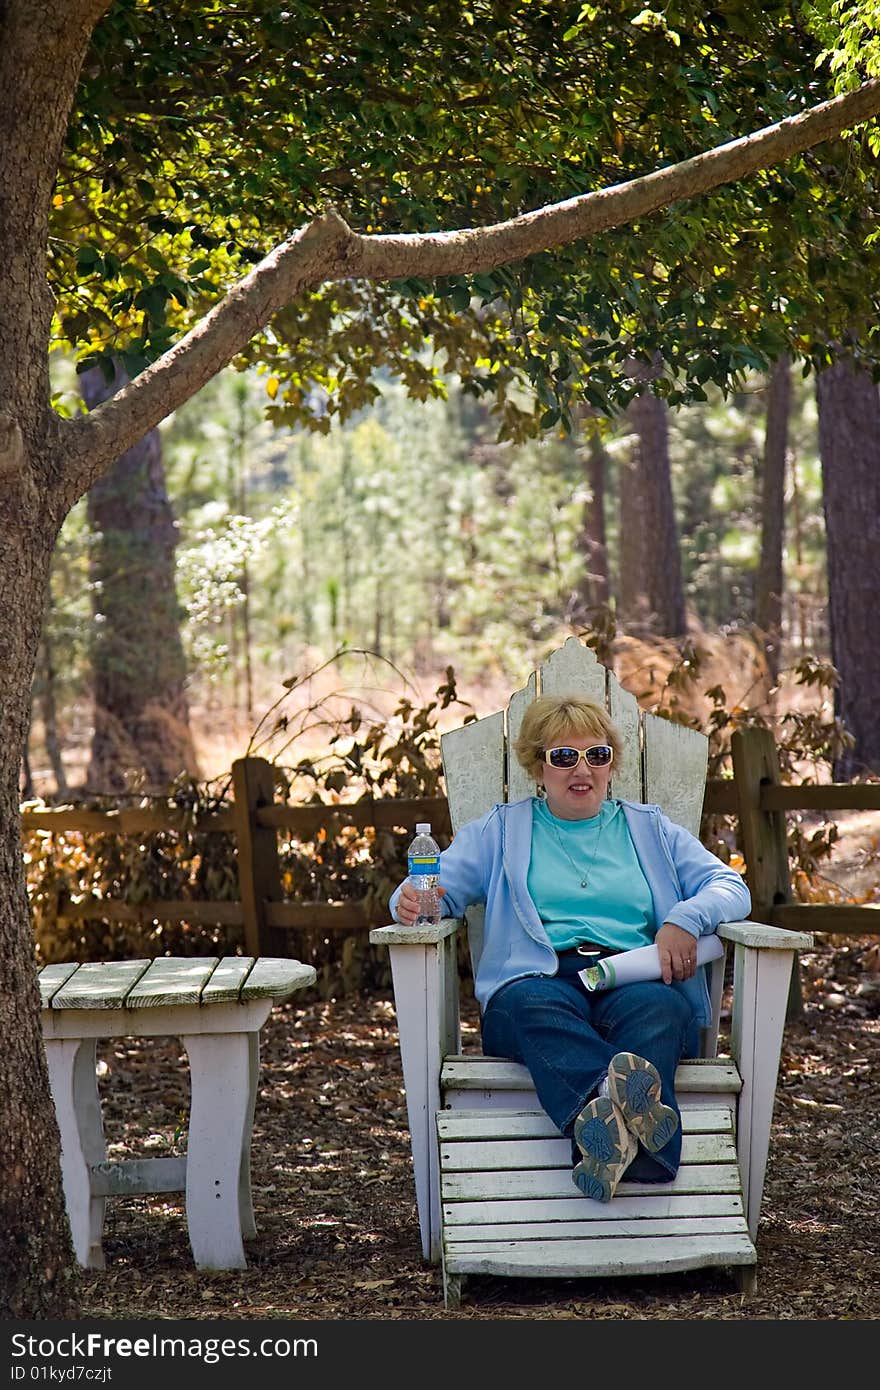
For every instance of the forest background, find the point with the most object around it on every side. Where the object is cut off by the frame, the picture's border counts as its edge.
(319, 588)
(411, 532)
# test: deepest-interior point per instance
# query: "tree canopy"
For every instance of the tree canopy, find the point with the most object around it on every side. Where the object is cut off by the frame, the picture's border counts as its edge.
(202, 135)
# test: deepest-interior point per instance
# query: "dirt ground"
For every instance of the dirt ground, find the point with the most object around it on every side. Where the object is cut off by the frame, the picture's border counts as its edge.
(334, 1198)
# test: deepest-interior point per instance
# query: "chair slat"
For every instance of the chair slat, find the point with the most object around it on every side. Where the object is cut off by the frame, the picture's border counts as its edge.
(473, 768)
(496, 1073)
(626, 777)
(556, 1182)
(675, 770)
(519, 783)
(536, 1124)
(658, 1205)
(463, 1156)
(574, 669)
(607, 1257)
(462, 1239)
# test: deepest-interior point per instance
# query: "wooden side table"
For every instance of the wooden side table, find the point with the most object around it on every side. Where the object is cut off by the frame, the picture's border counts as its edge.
(217, 1008)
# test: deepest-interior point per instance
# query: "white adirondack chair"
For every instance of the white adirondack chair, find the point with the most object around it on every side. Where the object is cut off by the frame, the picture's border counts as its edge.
(493, 1174)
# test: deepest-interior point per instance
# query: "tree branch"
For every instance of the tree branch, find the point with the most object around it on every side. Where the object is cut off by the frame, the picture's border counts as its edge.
(327, 249)
(480, 249)
(313, 255)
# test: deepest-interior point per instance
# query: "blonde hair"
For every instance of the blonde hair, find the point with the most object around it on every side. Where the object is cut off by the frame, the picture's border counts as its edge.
(551, 719)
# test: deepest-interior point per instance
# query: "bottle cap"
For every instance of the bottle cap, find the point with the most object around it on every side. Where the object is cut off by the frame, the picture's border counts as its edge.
(424, 828)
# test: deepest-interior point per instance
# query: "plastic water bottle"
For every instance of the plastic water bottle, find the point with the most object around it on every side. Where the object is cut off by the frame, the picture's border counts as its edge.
(423, 866)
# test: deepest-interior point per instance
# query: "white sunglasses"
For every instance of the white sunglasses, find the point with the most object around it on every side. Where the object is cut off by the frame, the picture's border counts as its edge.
(600, 755)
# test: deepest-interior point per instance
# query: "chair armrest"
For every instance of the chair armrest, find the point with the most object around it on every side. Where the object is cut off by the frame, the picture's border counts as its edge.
(765, 959)
(424, 973)
(761, 935)
(399, 935)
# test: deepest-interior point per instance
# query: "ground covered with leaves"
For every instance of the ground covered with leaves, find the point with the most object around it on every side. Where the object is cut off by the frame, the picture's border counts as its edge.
(334, 1198)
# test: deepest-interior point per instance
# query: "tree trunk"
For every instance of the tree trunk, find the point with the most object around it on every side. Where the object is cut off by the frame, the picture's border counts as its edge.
(651, 587)
(632, 581)
(593, 590)
(799, 622)
(41, 52)
(240, 615)
(768, 594)
(27, 776)
(139, 670)
(849, 443)
(35, 1251)
(49, 711)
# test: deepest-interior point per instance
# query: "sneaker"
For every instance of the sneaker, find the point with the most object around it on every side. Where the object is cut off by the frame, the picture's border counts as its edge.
(634, 1087)
(607, 1146)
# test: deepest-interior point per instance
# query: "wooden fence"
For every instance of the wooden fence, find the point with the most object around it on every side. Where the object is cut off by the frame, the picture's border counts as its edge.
(255, 819)
(755, 795)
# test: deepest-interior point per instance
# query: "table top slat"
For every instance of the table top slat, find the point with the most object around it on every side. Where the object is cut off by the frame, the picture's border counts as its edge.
(51, 978)
(226, 982)
(275, 978)
(172, 980)
(98, 985)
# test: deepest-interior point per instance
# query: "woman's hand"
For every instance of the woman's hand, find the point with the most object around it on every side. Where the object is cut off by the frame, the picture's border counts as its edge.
(678, 952)
(408, 903)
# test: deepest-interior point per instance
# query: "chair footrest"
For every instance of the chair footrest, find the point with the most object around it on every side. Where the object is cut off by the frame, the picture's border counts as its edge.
(509, 1206)
(556, 1258)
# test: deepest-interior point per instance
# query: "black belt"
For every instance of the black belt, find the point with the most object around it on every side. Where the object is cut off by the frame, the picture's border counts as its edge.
(586, 950)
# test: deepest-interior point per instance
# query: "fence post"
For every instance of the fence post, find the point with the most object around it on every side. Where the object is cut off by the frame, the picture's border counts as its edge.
(764, 835)
(259, 874)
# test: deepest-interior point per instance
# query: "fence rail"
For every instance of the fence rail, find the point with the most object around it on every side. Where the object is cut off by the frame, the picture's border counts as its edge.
(755, 795)
(722, 795)
(255, 820)
(760, 803)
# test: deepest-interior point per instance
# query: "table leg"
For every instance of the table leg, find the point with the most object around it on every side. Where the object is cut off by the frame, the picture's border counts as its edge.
(217, 1153)
(245, 1200)
(74, 1085)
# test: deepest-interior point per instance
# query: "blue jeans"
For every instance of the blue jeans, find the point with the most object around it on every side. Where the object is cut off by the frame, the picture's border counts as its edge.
(566, 1037)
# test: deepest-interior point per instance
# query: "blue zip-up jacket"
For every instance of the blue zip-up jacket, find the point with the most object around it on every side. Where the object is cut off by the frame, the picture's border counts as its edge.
(488, 862)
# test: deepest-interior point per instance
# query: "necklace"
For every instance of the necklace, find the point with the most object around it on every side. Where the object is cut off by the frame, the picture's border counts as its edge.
(583, 874)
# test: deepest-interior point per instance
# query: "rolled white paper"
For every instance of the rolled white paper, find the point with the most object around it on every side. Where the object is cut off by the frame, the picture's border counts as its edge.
(626, 967)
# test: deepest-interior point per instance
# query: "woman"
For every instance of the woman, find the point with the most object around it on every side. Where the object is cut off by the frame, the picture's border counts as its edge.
(567, 876)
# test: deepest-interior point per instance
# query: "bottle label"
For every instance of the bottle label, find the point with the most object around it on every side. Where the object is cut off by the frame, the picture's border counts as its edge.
(423, 864)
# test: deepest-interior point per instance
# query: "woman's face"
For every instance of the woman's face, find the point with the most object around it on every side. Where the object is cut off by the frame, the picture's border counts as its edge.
(577, 792)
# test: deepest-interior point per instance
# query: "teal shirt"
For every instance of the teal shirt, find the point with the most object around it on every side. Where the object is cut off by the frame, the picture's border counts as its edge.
(615, 909)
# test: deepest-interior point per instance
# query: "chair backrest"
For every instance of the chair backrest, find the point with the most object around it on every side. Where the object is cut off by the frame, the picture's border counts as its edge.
(663, 763)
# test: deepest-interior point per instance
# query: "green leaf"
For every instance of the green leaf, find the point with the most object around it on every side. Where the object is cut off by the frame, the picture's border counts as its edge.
(87, 258)
(152, 299)
(487, 286)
